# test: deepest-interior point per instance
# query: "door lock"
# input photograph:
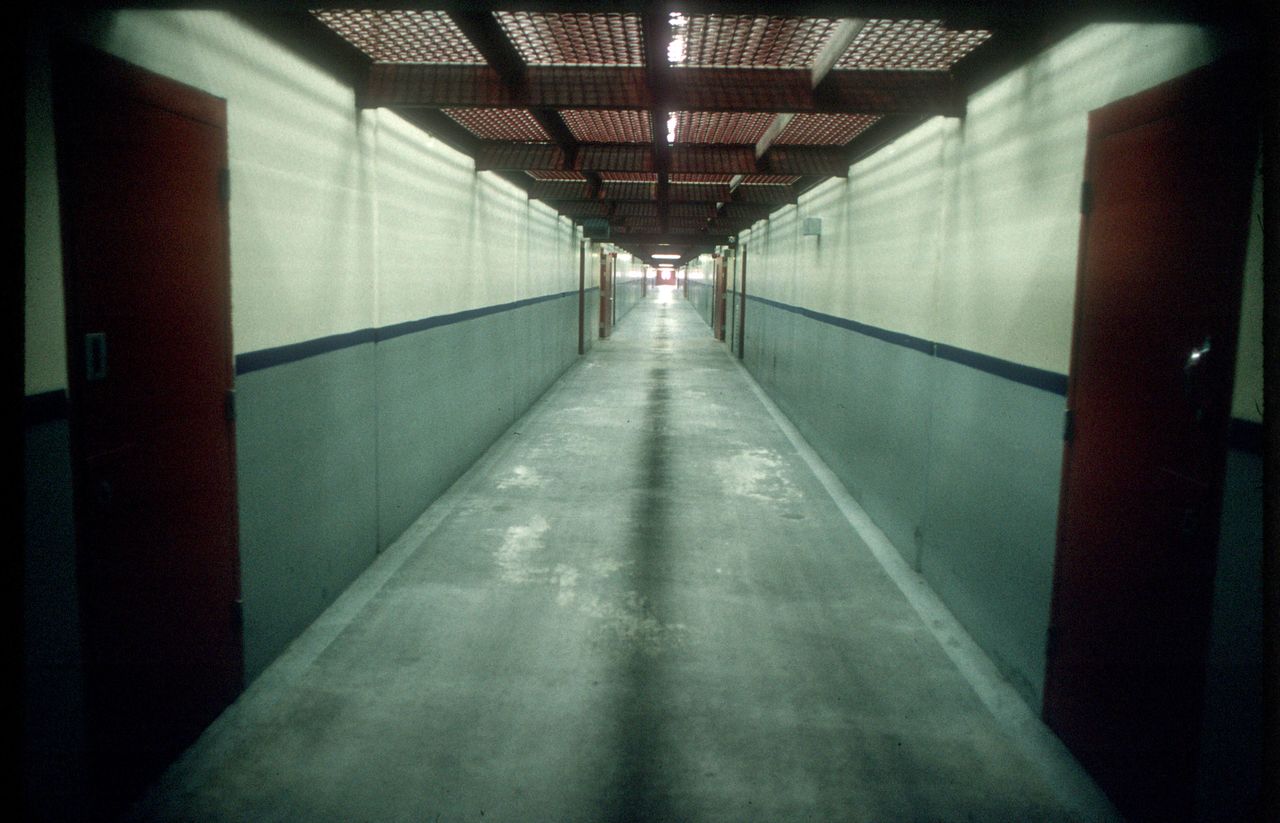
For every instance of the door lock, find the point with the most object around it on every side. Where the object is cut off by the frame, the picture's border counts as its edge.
(1193, 376)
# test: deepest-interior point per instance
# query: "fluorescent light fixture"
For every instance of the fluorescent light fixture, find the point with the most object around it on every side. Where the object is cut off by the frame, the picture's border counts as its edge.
(666, 265)
(666, 256)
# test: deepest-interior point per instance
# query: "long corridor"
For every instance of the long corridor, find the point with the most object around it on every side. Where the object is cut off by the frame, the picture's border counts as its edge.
(641, 604)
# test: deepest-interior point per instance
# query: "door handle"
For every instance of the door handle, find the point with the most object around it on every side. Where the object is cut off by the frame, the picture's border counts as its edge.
(1193, 375)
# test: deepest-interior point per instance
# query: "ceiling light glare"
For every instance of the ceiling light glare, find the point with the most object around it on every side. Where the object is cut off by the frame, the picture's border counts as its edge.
(676, 48)
(671, 129)
(666, 257)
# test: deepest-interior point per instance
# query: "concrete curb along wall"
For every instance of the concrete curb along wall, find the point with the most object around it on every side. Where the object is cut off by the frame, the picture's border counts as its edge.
(344, 440)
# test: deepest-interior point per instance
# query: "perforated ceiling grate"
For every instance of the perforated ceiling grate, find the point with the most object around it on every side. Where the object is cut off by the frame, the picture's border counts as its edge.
(909, 44)
(745, 40)
(618, 190)
(703, 211)
(590, 126)
(702, 178)
(403, 36)
(721, 127)
(769, 179)
(824, 129)
(575, 39)
(628, 177)
(500, 124)
(557, 175)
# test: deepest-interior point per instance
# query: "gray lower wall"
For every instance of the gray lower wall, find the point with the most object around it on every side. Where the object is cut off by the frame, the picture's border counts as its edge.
(53, 692)
(305, 450)
(991, 513)
(340, 452)
(1231, 750)
(958, 467)
(445, 394)
(627, 293)
(700, 295)
(962, 471)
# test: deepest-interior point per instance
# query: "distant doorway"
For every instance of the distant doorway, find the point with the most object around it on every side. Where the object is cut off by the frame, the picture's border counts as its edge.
(607, 282)
(1168, 177)
(142, 172)
(718, 303)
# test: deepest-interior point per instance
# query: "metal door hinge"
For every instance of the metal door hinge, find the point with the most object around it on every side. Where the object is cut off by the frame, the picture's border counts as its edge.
(1069, 425)
(224, 185)
(1086, 197)
(229, 401)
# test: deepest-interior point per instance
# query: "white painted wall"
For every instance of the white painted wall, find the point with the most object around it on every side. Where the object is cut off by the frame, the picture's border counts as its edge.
(702, 267)
(451, 239)
(1246, 404)
(341, 219)
(45, 366)
(965, 231)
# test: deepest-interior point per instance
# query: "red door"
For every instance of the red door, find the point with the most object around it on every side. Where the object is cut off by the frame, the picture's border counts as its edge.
(1167, 201)
(718, 304)
(606, 293)
(141, 164)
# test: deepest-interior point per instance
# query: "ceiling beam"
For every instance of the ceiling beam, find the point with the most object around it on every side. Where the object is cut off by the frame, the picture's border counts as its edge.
(879, 134)
(688, 158)
(823, 63)
(490, 155)
(543, 89)
(486, 34)
(825, 161)
(444, 128)
(657, 38)
(676, 240)
(763, 195)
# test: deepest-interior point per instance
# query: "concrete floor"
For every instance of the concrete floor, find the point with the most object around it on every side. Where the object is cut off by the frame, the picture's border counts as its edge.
(642, 604)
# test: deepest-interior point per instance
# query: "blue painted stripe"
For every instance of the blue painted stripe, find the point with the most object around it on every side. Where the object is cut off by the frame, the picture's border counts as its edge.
(896, 338)
(1026, 375)
(414, 326)
(280, 355)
